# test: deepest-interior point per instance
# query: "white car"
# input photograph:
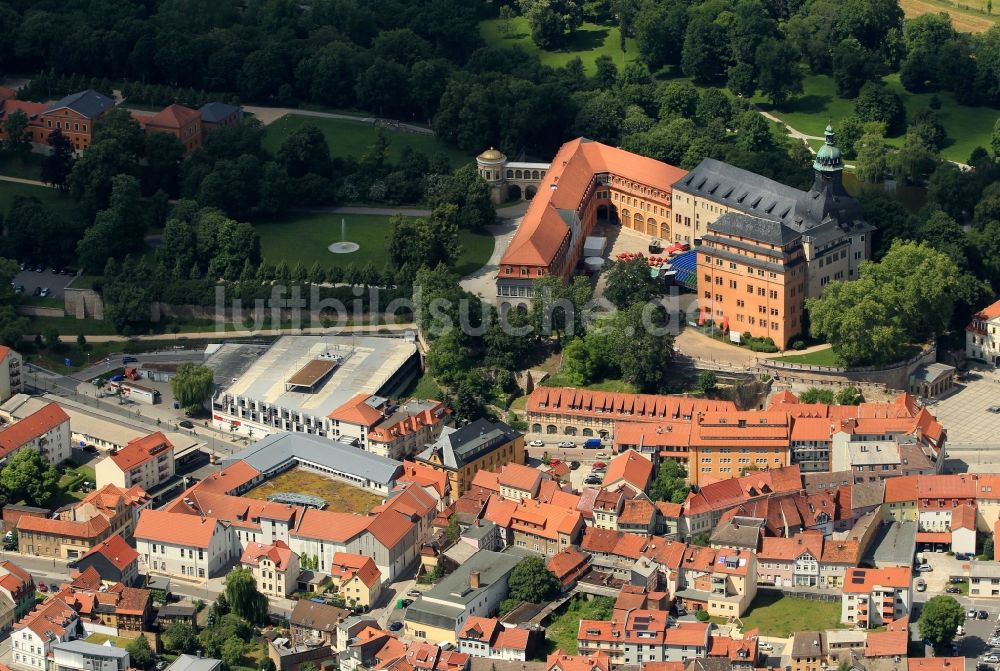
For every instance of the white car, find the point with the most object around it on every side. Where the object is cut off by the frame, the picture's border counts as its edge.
(924, 568)
(765, 646)
(566, 443)
(537, 443)
(992, 659)
(602, 455)
(971, 613)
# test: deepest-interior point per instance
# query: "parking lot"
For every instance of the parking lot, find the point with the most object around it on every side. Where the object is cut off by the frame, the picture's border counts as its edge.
(974, 645)
(945, 566)
(54, 282)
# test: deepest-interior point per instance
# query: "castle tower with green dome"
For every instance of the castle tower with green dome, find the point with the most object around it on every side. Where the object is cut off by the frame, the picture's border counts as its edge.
(828, 200)
(828, 157)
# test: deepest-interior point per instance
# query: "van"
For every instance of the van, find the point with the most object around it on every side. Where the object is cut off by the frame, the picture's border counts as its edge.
(592, 444)
(960, 631)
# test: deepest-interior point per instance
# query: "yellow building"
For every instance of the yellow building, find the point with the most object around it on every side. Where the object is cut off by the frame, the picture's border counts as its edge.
(356, 578)
(481, 445)
(275, 568)
(901, 499)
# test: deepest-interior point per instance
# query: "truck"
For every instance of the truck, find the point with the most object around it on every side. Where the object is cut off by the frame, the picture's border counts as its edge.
(592, 444)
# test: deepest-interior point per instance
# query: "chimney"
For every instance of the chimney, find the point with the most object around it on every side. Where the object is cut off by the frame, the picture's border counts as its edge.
(474, 579)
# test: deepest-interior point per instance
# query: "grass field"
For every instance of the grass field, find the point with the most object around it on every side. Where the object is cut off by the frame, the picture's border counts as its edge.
(422, 387)
(354, 139)
(60, 203)
(339, 496)
(588, 42)
(28, 168)
(304, 238)
(968, 16)
(782, 616)
(99, 639)
(565, 626)
(823, 357)
(966, 127)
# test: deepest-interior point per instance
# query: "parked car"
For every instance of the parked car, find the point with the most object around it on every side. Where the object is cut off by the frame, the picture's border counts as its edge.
(983, 615)
(566, 443)
(765, 646)
(956, 579)
(128, 359)
(924, 568)
(45, 292)
(953, 590)
(963, 556)
(407, 602)
(592, 444)
(537, 443)
(37, 291)
(42, 587)
(971, 612)
(592, 480)
(992, 658)
(90, 448)
(599, 464)
(55, 588)
(920, 584)
(414, 593)
(185, 424)
(994, 408)
(19, 289)
(602, 455)
(395, 626)
(573, 465)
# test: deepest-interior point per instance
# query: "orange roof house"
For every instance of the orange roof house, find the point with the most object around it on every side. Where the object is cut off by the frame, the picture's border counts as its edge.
(278, 552)
(345, 566)
(182, 122)
(140, 450)
(560, 661)
(629, 468)
(176, 528)
(24, 432)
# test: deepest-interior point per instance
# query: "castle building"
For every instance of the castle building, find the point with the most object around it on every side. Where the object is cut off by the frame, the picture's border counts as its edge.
(586, 183)
(764, 247)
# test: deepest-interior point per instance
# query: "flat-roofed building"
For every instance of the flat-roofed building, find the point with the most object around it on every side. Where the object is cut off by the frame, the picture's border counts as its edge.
(300, 380)
(84, 656)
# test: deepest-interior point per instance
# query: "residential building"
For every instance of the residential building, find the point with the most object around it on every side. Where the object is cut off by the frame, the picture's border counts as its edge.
(559, 661)
(519, 483)
(11, 381)
(311, 620)
(182, 122)
(629, 469)
(479, 445)
(17, 594)
(809, 651)
(730, 444)
(488, 637)
(892, 643)
(145, 462)
(568, 565)
(723, 582)
(608, 505)
(46, 430)
(984, 579)
(544, 528)
(935, 664)
(596, 183)
(53, 621)
(874, 597)
(939, 497)
(83, 656)
(356, 578)
(114, 560)
(793, 243)
(274, 566)
(703, 510)
(124, 610)
(981, 341)
(60, 538)
(963, 530)
(475, 588)
(378, 425)
(74, 116)
(788, 562)
(638, 636)
(184, 545)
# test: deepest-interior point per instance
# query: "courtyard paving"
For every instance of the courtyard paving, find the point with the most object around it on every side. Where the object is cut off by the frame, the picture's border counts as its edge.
(965, 411)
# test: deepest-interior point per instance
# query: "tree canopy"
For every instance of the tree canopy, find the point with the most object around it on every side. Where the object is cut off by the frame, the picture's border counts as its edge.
(192, 385)
(244, 598)
(939, 620)
(531, 581)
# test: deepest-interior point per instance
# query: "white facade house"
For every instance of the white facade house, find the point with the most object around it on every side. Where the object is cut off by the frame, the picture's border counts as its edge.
(46, 430)
(874, 597)
(83, 656)
(147, 462)
(982, 335)
(11, 381)
(33, 637)
(189, 546)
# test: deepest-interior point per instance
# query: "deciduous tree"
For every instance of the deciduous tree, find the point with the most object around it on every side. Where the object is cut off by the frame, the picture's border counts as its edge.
(192, 385)
(531, 581)
(244, 598)
(939, 620)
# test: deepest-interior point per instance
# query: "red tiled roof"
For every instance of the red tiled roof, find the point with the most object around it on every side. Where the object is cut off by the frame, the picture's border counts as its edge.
(480, 628)
(119, 553)
(901, 490)
(489, 480)
(390, 522)
(278, 552)
(512, 638)
(175, 528)
(935, 664)
(344, 566)
(889, 643)
(958, 486)
(34, 425)
(789, 549)
(631, 467)
(385, 432)
(545, 520)
(89, 530)
(542, 229)
(653, 435)
(331, 526)
(54, 615)
(140, 450)
(620, 406)
(862, 580)
(520, 477)
(357, 411)
(567, 565)
(173, 116)
(425, 476)
(963, 517)
(560, 661)
(989, 312)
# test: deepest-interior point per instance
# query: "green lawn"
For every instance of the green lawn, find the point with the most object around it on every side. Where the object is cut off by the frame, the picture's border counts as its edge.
(99, 639)
(564, 627)
(422, 387)
(44, 302)
(70, 326)
(60, 203)
(304, 238)
(560, 380)
(354, 139)
(588, 42)
(823, 357)
(966, 127)
(782, 616)
(28, 168)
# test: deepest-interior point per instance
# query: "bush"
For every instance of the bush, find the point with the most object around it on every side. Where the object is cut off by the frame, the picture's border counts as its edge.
(798, 345)
(702, 615)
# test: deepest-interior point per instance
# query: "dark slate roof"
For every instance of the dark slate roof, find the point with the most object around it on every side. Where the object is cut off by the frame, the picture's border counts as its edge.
(89, 103)
(754, 228)
(741, 190)
(215, 112)
(459, 447)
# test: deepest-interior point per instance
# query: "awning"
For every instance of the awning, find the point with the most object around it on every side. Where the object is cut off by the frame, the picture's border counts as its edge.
(725, 323)
(934, 537)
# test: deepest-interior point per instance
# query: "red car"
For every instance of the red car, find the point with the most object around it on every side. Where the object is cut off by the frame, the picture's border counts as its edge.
(42, 587)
